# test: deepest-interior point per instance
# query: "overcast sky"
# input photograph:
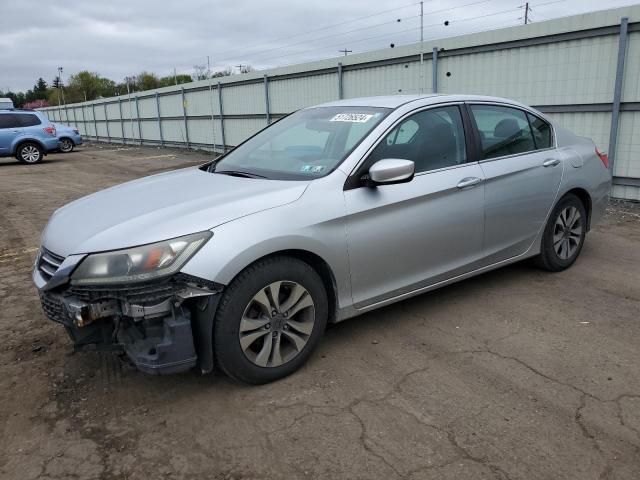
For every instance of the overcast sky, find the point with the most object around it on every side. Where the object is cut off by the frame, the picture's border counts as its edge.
(123, 37)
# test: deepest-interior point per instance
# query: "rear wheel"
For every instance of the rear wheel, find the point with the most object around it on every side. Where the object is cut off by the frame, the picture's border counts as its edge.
(269, 320)
(30, 153)
(564, 235)
(66, 145)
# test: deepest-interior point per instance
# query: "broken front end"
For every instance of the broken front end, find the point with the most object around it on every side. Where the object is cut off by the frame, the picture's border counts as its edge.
(117, 300)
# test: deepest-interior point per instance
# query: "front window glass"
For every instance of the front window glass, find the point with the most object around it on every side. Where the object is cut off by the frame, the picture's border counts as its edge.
(309, 143)
(432, 139)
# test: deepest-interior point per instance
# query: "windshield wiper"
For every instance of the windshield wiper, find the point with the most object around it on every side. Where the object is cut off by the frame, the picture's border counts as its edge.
(235, 173)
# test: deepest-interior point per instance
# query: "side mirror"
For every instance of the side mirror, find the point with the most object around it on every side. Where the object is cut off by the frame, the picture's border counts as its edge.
(390, 171)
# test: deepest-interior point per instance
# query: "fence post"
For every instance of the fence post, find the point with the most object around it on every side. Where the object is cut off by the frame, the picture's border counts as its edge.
(224, 142)
(95, 123)
(340, 94)
(84, 122)
(106, 122)
(138, 117)
(124, 142)
(159, 119)
(213, 123)
(266, 98)
(617, 92)
(184, 115)
(434, 70)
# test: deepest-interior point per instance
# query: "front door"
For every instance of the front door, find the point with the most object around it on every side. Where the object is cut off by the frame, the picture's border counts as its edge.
(406, 236)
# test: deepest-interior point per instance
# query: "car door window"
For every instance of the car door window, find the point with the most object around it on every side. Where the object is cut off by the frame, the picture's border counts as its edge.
(9, 120)
(432, 139)
(541, 132)
(503, 130)
(28, 120)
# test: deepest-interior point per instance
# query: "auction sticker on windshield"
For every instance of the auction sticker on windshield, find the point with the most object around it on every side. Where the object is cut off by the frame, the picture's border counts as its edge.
(352, 117)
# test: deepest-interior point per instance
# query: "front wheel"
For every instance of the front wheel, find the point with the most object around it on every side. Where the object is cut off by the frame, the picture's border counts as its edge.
(270, 319)
(66, 145)
(563, 235)
(30, 153)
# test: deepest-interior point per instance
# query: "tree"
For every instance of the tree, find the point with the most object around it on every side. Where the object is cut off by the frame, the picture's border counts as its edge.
(56, 82)
(174, 80)
(222, 73)
(40, 89)
(147, 81)
(246, 69)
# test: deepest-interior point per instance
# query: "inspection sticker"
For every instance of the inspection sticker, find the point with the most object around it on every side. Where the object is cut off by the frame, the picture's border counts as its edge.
(312, 168)
(352, 117)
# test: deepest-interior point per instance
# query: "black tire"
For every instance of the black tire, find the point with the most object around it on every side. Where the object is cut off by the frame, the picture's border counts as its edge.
(66, 145)
(549, 259)
(228, 352)
(30, 153)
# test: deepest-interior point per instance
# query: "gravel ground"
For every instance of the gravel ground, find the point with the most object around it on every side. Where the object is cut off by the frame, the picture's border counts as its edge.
(516, 374)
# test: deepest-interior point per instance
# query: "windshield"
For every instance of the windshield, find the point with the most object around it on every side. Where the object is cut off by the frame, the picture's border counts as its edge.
(309, 143)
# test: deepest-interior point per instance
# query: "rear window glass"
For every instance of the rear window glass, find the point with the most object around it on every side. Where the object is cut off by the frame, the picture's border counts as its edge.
(28, 120)
(541, 132)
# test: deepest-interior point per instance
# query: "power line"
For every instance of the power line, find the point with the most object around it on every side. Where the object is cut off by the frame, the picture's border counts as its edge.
(327, 27)
(431, 26)
(478, 2)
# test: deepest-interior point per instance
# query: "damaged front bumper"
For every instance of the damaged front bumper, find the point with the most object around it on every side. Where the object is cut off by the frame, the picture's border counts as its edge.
(163, 327)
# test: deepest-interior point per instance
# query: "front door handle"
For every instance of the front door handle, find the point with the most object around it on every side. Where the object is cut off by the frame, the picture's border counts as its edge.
(550, 162)
(469, 182)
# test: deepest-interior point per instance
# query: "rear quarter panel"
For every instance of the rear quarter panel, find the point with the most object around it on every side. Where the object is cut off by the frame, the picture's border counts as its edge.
(585, 170)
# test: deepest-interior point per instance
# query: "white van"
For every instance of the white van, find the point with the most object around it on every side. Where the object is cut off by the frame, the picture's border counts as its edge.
(6, 103)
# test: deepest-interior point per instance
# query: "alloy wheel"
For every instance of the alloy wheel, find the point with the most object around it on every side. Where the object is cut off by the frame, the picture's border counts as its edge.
(567, 232)
(66, 146)
(277, 324)
(30, 154)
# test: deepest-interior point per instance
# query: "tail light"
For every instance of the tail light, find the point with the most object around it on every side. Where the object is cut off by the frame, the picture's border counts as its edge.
(51, 130)
(604, 157)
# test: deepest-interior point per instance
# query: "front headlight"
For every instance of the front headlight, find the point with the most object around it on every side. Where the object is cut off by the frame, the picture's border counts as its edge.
(138, 264)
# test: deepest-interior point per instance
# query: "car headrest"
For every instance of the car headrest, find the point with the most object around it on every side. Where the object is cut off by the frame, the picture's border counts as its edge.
(506, 128)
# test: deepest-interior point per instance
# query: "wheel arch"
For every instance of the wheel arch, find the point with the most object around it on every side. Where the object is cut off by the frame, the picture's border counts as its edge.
(321, 267)
(65, 137)
(22, 141)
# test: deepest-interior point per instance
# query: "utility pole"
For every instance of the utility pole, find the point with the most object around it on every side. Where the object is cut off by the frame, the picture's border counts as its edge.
(175, 76)
(526, 13)
(345, 51)
(421, 47)
(239, 67)
(60, 86)
(208, 65)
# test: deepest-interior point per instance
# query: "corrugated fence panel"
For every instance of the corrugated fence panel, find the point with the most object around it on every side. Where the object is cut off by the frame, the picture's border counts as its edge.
(150, 130)
(171, 105)
(628, 152)
(387, 80)
(592, 125)
(243, 99)
(578, 71)
(631, 85)
(200, 102)
(291, 94)
(147, 107)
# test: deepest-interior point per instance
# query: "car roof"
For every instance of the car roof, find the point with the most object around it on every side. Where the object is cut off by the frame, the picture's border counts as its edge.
(395, 101)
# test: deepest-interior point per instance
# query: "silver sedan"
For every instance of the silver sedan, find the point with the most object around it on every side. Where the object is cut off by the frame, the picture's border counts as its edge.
(330, 212)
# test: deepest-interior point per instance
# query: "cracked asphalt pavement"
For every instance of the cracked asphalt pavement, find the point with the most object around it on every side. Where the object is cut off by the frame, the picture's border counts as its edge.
(515, 374)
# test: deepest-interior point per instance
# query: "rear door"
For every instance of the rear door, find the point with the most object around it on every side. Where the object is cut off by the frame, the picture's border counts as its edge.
(407, 236)
(522, 171)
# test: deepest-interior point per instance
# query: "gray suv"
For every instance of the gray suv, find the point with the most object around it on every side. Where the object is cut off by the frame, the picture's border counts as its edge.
(330, 212)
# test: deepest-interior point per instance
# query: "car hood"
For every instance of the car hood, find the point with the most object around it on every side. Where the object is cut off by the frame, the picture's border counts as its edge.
(159, 207)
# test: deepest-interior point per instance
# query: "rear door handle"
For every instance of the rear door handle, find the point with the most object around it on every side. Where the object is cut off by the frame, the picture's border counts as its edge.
(469, 182)
(550, 162)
